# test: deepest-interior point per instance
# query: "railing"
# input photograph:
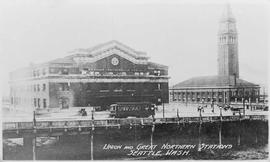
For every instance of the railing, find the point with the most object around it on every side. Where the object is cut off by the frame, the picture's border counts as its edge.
(122, 122)
(106, 76)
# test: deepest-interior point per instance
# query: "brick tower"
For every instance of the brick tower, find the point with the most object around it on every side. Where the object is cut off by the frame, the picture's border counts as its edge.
(228, 45)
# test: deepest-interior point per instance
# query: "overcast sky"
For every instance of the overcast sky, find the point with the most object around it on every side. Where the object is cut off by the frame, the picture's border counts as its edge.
(182, 35)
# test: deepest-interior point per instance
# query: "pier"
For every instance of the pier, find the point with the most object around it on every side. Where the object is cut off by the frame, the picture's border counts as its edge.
(72, 127)
(69, 130)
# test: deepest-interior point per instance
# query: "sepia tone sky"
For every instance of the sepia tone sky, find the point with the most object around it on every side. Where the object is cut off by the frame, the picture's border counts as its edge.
(180, 34)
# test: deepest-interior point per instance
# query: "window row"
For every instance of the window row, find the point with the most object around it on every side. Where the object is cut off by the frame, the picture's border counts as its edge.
(39, 87)
(97, 73)
(39, 72)
(233, 93)
(231, 39)
(37, 102)
(121, 87)
(199, 99)
(40, 103)
(29, 88)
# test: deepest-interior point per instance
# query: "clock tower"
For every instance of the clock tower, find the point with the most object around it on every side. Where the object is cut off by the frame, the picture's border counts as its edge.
(228, 45)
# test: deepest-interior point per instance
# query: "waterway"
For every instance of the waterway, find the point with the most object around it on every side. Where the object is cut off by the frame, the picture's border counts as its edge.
(245, 140)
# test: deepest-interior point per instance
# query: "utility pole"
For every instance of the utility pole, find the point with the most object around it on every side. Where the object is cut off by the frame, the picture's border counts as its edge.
(220, 127)
(163, 109)
(92, 137)
(34, 138)
(200, 109)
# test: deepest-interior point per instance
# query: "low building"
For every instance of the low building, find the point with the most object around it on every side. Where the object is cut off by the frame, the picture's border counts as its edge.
(99, 76)
(217, 89)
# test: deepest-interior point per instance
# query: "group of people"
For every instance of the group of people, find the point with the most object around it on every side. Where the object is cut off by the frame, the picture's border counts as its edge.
(83, 112)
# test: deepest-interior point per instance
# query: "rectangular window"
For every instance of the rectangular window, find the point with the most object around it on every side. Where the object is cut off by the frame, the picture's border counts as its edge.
(44, 87)
(35, 88)
(44, 103)
(38, 102)
(38, 88)
(35, 102)
(157, 72)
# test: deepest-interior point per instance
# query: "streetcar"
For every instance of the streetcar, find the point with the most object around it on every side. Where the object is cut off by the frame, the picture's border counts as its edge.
(132, 109)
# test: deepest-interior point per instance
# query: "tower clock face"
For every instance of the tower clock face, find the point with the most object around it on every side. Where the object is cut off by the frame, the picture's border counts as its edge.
(115, 61)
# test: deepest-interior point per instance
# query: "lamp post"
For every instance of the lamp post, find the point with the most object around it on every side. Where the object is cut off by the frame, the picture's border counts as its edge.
(34, 138)
(92, 137)
(92, 114)
(163, 109)
(200, 109)
(34, 118)
(212, 106)
(220, 112)
(220, 128)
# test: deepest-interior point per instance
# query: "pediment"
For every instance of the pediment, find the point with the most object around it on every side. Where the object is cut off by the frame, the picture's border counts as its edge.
(107, 49)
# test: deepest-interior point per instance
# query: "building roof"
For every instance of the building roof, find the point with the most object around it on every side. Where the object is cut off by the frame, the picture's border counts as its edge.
(63, 60)
(156, 65)
(100, 48)
(212, 81)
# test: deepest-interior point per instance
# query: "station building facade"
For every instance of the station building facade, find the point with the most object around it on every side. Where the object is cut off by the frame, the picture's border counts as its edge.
(98, 76)
(215, 89)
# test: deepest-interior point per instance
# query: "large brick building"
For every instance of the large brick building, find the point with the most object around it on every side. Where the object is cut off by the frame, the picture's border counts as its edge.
(225, 87)
(98, 76)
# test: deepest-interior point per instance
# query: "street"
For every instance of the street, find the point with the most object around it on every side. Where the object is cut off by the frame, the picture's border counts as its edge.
(170, 111)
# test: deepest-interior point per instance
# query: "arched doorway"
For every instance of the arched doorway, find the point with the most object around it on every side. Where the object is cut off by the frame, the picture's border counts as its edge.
(64, 102)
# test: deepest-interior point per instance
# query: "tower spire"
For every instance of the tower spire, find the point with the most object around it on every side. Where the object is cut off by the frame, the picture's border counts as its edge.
(227, 13)
(228, 44)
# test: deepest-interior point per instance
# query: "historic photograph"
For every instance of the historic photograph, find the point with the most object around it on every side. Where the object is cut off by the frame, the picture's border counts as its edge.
(134, 80)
